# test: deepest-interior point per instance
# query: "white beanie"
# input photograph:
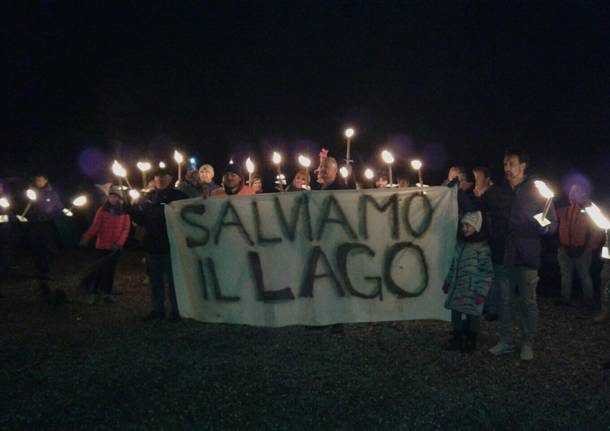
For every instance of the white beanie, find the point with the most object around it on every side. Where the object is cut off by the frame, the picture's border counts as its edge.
(474, 219)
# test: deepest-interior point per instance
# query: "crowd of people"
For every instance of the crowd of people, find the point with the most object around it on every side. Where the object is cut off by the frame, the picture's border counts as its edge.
(496, 260)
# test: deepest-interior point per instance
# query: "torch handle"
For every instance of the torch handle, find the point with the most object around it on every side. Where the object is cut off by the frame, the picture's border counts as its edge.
(390, 176)
(421, 182)
(547, 207)
(27, 208)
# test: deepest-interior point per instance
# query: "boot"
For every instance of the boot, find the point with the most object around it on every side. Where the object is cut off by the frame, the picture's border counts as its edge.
(470, 345)
(456, 343)
(603, 315)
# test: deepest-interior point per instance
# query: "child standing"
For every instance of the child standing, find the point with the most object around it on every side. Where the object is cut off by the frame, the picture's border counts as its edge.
(111, 226)
(468, 282)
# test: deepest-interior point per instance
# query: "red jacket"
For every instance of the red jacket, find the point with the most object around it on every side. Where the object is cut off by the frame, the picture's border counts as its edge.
(244, 191)
(575, 229)
(109, 229)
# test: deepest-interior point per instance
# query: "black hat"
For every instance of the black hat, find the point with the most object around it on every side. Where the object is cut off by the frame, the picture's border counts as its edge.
(234, 169)
(161, 172)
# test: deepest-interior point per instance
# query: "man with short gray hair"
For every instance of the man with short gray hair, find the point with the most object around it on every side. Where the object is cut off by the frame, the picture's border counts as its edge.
(206, 179)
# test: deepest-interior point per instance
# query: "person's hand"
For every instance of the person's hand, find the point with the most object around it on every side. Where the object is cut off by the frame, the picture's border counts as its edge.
(479, 299)
(116, 246)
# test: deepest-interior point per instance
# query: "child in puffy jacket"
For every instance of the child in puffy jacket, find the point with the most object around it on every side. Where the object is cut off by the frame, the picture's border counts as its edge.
(111, 226)
(468, 282)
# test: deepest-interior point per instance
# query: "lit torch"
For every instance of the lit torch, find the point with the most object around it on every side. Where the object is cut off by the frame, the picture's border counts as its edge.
(250, 169)
(603, 223)
(417, 165)
(277, 160)
(179, 158)
(306, 163)
(388, 158)
(349, 133)
(32, 196)
(546, 193)
(144, 167)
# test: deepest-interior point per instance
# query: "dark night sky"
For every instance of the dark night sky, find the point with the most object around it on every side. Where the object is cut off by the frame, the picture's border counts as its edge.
(464, 78)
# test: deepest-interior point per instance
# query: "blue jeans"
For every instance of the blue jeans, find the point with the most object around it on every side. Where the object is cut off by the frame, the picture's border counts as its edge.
(494, 297)
(159, 267)
(526, 280)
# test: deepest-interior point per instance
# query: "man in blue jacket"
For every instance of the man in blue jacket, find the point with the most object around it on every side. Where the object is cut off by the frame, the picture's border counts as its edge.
(522, 254)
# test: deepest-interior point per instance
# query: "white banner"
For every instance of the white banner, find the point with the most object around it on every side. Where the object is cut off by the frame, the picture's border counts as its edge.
(313, 258)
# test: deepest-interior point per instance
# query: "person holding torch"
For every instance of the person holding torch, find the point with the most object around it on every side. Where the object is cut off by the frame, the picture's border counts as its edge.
(43, 210)
(531, 215)
(111, 226)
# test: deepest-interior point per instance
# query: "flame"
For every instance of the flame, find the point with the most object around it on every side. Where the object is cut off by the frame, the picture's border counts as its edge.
(387, 157)
(31, 194)
(344, 172)
(249, 165)
(598, 217)
(178, 157)
(277, 158)
(349, 132)
(144, 166)
(304, 161)
(416, 164)
(4, 203)
(543, 189)
(369, 174)
(118, 170)
(80, 201)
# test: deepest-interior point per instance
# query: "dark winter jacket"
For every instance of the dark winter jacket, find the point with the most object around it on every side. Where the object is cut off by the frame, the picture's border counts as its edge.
(496, 203)
(46, 207)
(523, 245)
(150, 214)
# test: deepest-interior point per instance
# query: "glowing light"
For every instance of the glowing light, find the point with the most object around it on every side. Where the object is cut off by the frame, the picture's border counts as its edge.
(162, 165)
(304, 161)
(4, 203)
(349, 132)
(369, 174)
(543, 189)
(80, 201)
(31, 194)
(144, 166)
(67, 212)
(134, 194)
(387, 157)
(598, 217)
(249, 165)
(276, 158)
(416, 164)
(344, 172)
(118, 170)
(178, 156)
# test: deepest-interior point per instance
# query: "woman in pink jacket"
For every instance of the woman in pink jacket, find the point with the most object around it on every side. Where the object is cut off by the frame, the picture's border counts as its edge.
(111, 227)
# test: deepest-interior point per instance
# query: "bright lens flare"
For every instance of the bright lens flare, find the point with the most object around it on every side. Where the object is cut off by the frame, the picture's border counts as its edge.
(249, 165)
(543, 189)
(144, 166)
(31, 194)
(134, 194)
(344, 172)
(277, 158)
(369, 174)
(118, 170)
(304, 161)
(349, 132)
(598, 217)
(387, 157)
(416, 164)
(80, 201)
(178, 157)
(4, 203)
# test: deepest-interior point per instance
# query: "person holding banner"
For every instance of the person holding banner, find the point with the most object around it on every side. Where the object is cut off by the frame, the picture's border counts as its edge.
(151, 215)
(111, 226)
(233, 183)
(522, 255)
(300, 182)
(468, 282)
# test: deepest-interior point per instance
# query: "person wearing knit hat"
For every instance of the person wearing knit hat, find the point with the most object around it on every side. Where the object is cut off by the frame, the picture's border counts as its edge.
(467, 283)
(233, 183)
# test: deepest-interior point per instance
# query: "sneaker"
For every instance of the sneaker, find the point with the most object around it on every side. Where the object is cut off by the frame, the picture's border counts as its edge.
(501, 348)
(91, 298)
(527, 353)
(153, 315)
(110, 299)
